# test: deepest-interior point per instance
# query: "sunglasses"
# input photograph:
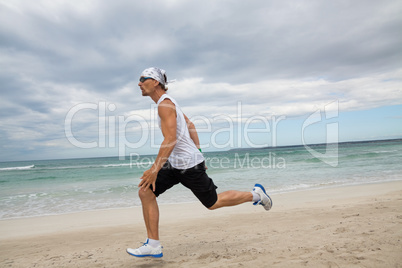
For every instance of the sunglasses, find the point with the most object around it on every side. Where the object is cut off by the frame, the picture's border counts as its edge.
(142, 79)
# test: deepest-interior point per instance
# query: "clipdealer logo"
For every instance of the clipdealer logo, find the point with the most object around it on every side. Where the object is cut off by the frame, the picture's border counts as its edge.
(112, 130)
(234, 131)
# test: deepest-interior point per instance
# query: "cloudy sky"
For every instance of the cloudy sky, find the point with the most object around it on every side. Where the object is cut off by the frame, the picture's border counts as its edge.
(248, 73)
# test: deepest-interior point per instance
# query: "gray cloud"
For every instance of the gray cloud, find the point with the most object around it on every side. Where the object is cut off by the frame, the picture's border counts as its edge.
(110, 42)
(54, 55)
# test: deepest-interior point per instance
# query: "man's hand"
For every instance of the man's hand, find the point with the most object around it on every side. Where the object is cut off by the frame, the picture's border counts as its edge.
(148, 179)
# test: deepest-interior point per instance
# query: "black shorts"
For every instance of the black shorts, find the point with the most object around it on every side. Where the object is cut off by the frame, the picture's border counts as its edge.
(195, 178)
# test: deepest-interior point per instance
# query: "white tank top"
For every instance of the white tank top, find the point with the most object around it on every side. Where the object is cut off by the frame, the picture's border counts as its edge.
(185, 154)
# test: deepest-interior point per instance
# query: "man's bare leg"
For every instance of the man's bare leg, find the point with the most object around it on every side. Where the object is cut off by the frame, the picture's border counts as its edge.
(150, 211)
(232, 198)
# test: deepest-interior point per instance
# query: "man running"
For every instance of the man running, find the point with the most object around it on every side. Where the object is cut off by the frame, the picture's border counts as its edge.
(179, 161)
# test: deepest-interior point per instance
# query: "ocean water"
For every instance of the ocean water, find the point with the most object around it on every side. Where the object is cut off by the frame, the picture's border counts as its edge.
(51, 187)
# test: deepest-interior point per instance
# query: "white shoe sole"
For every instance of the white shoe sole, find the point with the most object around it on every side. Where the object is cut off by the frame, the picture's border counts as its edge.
(131, 252)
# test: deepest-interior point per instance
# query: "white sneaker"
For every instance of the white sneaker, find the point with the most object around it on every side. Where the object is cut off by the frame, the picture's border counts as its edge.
(146, 250)
(265, 200)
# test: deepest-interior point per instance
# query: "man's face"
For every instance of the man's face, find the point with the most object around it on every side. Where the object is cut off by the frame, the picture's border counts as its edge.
(147, 86)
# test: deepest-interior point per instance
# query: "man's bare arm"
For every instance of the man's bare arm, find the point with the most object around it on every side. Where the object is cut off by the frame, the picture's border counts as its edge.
(167, 113)
(193, 132)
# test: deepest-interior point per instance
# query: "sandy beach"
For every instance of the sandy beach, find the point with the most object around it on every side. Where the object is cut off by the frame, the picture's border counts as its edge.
(353, 226)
